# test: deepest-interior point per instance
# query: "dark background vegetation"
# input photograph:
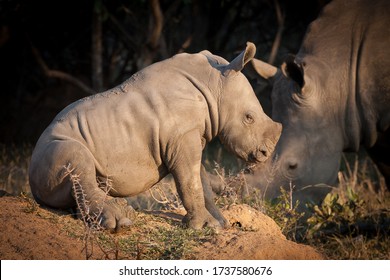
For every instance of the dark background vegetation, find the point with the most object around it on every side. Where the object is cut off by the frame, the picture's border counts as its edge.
(55, 52)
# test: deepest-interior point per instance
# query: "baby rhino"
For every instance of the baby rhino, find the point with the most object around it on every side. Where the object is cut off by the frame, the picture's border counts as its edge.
(155, 123)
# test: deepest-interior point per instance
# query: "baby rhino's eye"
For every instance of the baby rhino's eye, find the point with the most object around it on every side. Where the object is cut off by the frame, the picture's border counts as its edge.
(249, 119)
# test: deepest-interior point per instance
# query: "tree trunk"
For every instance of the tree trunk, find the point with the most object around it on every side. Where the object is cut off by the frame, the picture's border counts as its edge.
(97, 47)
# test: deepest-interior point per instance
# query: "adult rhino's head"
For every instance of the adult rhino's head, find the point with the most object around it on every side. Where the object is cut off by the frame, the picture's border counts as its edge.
(244, 128)
(309, 149)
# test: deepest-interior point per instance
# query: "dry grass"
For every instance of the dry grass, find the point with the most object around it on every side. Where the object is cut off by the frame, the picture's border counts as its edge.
(14, 162)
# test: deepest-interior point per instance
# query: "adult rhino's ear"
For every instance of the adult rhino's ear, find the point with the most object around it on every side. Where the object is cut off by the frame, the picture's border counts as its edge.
(256, 68)
(243, 58)
(293, 70)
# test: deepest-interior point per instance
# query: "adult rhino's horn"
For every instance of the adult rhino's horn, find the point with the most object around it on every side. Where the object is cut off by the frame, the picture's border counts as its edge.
(263, 69)
(243, 58)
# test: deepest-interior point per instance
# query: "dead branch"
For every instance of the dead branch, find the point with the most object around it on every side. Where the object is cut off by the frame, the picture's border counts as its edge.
(278, 37)
(118, 28)
(154, 41)
(59, 74)
(97, 49)
(92, 221)
(186, 44)
(158, 19)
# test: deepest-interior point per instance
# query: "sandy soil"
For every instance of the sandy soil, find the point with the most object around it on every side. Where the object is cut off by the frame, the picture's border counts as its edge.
(31, 232)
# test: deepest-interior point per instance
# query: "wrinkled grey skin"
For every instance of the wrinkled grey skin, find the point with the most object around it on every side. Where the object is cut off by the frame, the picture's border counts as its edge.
(333, 96)
(155, 123)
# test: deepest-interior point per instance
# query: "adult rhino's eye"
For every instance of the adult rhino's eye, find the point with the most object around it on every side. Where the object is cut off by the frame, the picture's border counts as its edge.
(249, 118)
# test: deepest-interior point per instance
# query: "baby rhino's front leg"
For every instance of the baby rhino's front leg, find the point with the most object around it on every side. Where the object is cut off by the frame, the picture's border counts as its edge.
(191, 193)
(193, 199)
(186, 172)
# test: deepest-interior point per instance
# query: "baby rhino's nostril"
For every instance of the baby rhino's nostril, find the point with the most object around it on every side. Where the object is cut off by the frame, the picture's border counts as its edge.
(264, 151)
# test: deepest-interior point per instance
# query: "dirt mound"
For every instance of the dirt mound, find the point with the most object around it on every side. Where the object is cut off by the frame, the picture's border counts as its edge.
(256, 236)
(31, 232)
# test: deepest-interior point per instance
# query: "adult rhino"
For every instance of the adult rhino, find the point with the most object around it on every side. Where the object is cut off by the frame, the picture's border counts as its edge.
(333, 96)
(155, 123)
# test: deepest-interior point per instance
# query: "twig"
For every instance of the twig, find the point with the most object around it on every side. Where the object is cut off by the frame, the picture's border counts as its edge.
(92, 221)
(278, 37)
(291, 194)
(170, 203)
(80, 197)
(186, 44)
(122, 33)
(97, 48)
(59, 74)
(158, 24)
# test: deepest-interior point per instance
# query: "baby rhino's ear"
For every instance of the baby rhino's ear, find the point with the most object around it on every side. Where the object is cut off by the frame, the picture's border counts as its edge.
(243, 58)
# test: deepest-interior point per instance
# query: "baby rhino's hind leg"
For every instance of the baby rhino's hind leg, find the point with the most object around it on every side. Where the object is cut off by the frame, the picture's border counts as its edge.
(51, 169)
(65, 166)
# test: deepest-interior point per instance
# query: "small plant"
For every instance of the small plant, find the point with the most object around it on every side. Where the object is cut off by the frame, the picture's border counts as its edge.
(352, 222)
(333, 215)
(91, 221)
(353, 208)
(32, 205)
(284, 211)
